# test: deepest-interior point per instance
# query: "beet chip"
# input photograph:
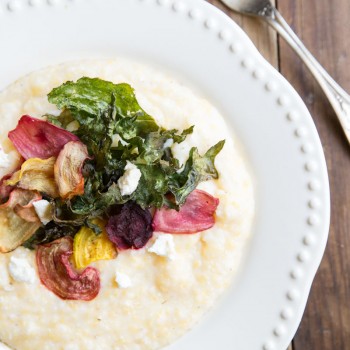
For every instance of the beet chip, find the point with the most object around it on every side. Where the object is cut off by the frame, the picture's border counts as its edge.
(197, 214)
(35, 138)
(5, 190)
(130, 226)
(58, 275)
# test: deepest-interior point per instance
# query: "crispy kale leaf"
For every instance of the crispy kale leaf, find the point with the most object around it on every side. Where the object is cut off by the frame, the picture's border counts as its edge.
(49, 233)
(197, 168)
(116, 129)
(88, 98)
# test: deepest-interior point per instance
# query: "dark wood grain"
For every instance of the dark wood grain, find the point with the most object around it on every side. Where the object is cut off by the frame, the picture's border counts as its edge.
(324, 27)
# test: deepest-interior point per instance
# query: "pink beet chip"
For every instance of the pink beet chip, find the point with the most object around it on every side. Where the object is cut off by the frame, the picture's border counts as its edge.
(58, 275)
(197, 214)
(35, 138)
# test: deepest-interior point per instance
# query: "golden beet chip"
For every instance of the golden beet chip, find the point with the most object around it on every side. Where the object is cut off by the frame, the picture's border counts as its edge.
(36, 174)
(68, 169)
(17, 219)
(89, 247)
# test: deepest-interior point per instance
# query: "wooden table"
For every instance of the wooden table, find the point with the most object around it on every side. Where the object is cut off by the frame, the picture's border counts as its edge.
(324, 26)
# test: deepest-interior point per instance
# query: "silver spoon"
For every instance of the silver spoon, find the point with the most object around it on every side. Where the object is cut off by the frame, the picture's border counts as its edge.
(337, 96)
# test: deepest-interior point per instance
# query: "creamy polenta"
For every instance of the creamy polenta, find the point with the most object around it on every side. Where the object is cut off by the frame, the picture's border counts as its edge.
(148, 297)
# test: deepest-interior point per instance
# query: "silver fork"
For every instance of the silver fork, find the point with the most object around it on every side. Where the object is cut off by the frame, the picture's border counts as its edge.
(337, 96)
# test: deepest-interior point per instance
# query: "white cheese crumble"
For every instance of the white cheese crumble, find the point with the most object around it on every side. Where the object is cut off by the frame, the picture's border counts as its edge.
(164, 246)
(21, 271)
(168, 143)
(123, 280)
(115, 140)
(4, 159)
(130, 179)
(43, 209)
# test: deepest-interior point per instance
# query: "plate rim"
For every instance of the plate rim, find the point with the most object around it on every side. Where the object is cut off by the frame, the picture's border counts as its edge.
(214, 20)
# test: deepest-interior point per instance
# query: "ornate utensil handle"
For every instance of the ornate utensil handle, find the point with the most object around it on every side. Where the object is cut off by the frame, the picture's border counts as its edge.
(337, 96)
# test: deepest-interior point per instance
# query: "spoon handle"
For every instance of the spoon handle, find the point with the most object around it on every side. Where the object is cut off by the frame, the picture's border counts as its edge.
(337, 96)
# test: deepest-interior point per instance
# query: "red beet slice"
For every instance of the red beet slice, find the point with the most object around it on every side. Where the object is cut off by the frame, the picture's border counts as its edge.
(130, 226)
(35, 138)
(197, 214)
(5, 190)
(57, 274)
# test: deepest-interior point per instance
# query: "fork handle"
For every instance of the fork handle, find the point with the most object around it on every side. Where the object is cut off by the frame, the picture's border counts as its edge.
(337, 96)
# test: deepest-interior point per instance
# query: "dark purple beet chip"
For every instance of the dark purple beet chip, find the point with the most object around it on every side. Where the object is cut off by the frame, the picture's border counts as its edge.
(129, 227)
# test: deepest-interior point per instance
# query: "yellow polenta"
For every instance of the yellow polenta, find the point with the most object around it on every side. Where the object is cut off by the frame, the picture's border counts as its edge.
(164, 297)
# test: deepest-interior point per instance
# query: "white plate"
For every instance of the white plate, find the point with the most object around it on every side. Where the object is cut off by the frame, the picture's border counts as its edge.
(202, 45)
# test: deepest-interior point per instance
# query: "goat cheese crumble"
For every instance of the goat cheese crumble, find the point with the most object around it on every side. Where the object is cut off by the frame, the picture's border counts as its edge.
(129, 181)
(43, 209)
(21, 271)
(4, 159)
(164, 246)
(123, 280)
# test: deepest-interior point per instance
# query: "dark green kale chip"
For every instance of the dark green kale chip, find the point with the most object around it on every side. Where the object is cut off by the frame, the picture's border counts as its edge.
(49, 233)
(115, 129)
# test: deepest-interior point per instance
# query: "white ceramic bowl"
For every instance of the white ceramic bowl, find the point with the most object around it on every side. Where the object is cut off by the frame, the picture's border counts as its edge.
(204, 48)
